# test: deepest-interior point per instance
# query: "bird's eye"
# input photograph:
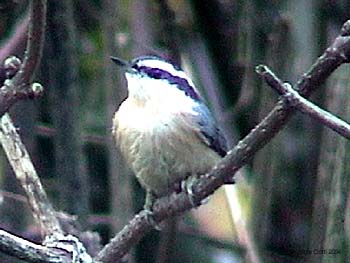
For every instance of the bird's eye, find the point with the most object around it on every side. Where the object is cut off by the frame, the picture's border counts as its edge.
(135, 66)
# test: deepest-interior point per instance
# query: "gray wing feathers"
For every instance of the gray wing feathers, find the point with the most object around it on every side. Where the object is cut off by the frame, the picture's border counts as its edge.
(208, 128)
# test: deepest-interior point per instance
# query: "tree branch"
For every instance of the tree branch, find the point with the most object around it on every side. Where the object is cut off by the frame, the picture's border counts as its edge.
(26, 174)
(56, 240)
(14, 46)
(292, 97)
(35, 43)
(337, 54)
(24, 249)
(19, 87)
(9, 138)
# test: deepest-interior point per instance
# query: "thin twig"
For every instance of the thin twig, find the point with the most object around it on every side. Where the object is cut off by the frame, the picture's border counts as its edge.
(337, 54)
(13, 196)
(15, 45)
(20, 86)
(88, 138)
(35, 44)
(305, 106)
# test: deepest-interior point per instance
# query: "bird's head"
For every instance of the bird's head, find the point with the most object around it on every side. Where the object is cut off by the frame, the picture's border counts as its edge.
(151, 76)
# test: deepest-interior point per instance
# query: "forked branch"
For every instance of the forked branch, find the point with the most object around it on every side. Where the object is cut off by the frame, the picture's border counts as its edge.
(20, 86)
(57, 246)
(293, 98)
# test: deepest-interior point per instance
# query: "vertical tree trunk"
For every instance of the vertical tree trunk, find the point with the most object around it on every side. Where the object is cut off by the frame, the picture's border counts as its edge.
(61, 66)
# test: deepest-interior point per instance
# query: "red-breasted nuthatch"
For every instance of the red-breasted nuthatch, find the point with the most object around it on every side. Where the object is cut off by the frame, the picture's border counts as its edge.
(164, 130)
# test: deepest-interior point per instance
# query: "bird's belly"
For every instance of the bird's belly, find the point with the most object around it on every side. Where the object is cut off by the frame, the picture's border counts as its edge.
(164, 153)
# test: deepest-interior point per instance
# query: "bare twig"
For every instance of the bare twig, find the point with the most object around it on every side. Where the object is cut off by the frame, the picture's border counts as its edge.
(24, 77)
(9, 138)
(305, 106)
(68, 246)
(26, 174)
(337, 54)
(19, 87)
(13, 196)
(49, 132)
(14, 46)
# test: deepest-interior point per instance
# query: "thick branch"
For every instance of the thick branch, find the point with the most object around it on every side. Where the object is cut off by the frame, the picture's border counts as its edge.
(24, 249)
(305, 106)
(337, 54)
(26, 174)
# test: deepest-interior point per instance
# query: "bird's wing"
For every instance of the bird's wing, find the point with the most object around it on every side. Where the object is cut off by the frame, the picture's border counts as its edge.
(208, 130)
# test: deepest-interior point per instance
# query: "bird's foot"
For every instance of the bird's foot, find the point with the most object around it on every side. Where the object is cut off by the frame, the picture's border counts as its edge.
(148, 207)
(187, 186)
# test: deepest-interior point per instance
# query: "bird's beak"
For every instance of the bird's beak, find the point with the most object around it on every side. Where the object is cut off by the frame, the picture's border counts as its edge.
(120, 62)
(125, 65)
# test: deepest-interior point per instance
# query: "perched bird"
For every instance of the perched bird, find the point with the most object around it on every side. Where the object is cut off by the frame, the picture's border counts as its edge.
(164, 130)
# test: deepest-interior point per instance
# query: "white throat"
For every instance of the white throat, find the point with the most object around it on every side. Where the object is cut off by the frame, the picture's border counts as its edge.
(158, 93)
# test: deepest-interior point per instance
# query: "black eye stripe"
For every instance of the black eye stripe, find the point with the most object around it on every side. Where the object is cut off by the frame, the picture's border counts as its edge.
(135, 66)
(181, 83)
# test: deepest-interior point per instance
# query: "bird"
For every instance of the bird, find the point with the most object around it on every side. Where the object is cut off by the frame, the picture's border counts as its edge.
(164, 130)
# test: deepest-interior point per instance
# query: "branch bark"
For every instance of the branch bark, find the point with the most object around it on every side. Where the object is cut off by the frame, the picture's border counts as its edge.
(19, 87)
(68, 248)
(26, 174)
(14, 46)
(292, 97)
(26, 250)
(335, 55)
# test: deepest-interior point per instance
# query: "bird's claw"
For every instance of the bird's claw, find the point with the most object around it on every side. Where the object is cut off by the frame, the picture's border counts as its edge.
(148, 207)
(187, 186)
(150, 219)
